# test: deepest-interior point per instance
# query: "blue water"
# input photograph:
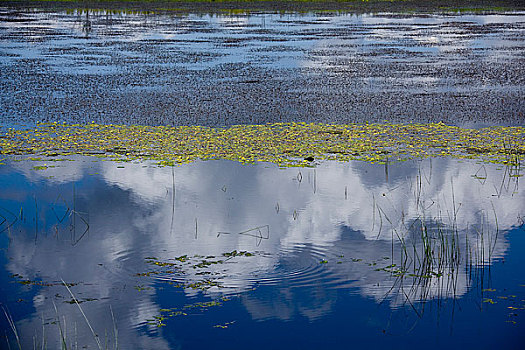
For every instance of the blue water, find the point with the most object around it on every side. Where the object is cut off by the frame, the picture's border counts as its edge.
(320, 244)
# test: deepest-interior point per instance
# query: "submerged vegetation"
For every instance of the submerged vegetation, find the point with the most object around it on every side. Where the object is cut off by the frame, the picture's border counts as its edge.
(281, 143)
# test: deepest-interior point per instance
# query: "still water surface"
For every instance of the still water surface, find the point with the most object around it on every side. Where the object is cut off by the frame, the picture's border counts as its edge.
(218, 254)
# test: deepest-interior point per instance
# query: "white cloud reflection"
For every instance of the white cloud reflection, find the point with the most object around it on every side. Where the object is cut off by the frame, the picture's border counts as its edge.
(340, 212)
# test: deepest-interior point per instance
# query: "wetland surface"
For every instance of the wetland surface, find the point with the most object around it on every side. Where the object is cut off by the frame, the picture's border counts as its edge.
(122, 236)
(220, 70)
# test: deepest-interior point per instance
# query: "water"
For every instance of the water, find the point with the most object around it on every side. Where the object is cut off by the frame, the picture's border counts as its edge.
(220, 70)
(218, 254)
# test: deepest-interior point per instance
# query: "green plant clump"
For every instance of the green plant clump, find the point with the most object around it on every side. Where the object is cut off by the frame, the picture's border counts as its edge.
(286, 144)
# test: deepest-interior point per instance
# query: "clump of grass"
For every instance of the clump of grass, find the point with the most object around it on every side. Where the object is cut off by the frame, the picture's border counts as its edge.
(431, 256)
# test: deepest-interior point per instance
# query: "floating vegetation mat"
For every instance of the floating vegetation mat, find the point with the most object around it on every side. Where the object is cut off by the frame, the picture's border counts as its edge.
(287, 144)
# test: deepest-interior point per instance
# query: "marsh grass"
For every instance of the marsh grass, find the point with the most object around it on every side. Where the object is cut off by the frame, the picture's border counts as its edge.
(8, 219)
(67, 335)
(12, 325)
(259, 232)
(67, 338)
(430, 253)
(95, 336)
(425, 266)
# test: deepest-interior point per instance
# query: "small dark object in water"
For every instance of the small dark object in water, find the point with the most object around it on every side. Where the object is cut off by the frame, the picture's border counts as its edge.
(309, 158)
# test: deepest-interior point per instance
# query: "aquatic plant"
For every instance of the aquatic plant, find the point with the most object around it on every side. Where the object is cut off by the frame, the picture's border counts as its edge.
(286, 144)
(41, 341)
(434, 252)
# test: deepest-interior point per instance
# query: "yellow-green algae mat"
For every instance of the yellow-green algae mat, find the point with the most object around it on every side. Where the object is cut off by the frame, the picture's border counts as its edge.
(285, 144)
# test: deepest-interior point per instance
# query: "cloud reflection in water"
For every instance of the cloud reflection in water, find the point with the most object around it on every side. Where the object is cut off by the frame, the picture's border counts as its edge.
(336, 226)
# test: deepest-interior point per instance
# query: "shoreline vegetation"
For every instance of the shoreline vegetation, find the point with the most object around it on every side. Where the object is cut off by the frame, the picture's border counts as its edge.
(285, 144)
(240, 6)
